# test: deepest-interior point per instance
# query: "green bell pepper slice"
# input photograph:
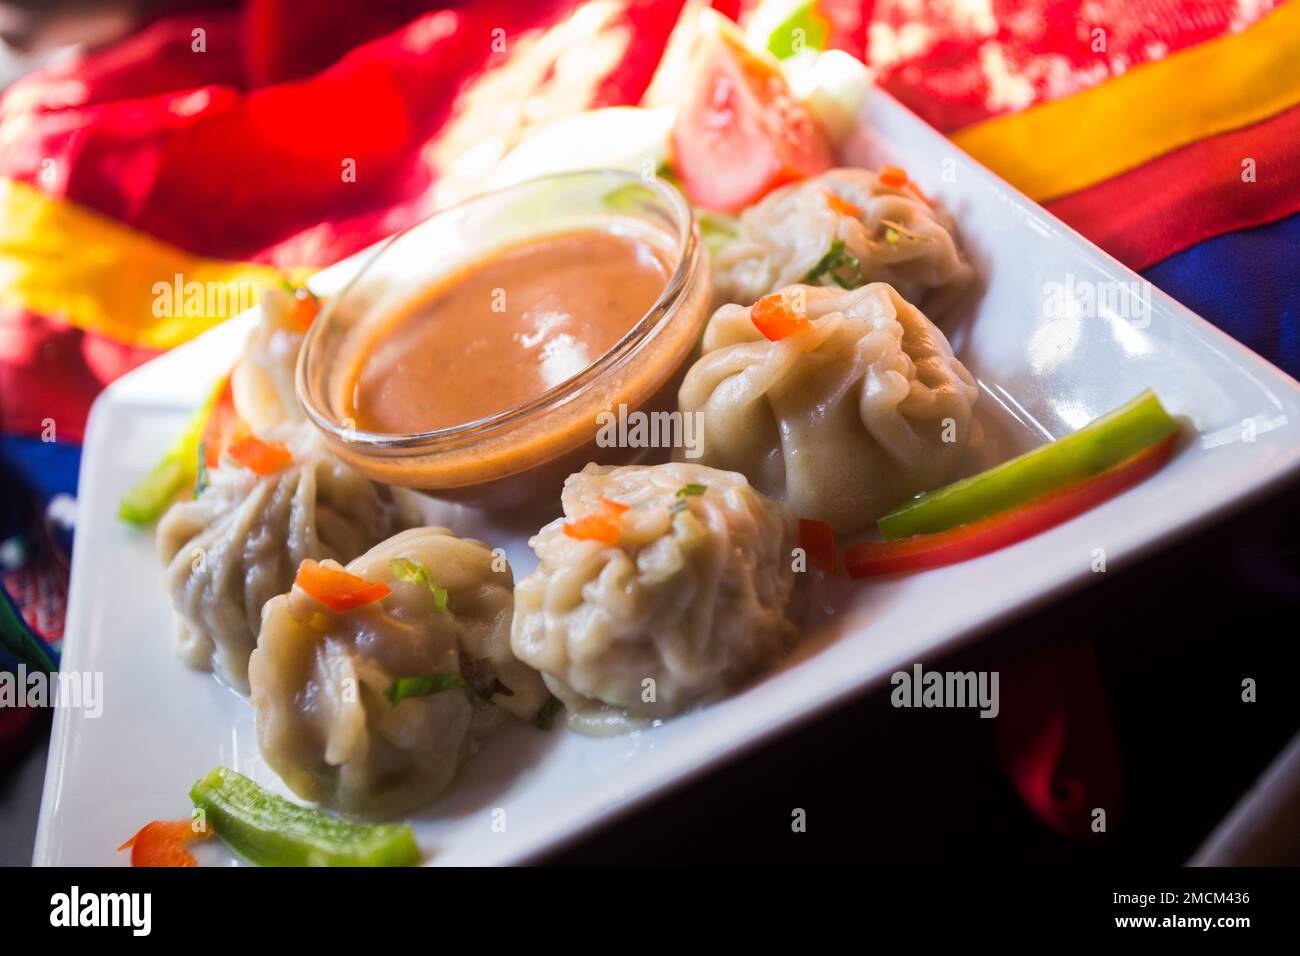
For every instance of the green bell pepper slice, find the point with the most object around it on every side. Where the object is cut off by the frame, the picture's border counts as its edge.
(266, 829)
(1111, 439)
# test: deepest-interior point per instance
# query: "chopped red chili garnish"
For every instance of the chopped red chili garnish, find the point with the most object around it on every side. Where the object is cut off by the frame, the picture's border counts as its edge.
(305, 308)
(843, 206)
(338, 590)
(776, 319)
(896, 178)
(260, 457)
(163, 843)
(893, 177)
(602, 525)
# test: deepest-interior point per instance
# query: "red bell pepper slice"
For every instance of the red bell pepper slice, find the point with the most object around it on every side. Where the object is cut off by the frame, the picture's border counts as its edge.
(877, 558)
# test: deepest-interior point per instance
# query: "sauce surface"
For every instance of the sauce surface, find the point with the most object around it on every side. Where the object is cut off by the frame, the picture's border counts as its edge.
(504, 330)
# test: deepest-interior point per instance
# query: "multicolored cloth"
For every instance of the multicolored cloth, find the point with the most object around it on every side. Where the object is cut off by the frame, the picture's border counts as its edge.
(229, 144)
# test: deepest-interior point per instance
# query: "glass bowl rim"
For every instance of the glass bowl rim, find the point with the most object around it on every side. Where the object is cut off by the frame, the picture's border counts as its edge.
(687, 253)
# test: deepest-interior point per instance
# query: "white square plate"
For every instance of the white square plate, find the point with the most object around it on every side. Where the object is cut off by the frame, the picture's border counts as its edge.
(1052, 369)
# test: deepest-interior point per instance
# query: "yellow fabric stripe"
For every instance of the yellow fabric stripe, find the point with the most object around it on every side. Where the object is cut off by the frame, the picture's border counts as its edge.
(64, 261)
(1066, 145)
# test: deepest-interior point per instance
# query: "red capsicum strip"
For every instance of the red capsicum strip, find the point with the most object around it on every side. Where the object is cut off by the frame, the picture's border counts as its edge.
(875, 559)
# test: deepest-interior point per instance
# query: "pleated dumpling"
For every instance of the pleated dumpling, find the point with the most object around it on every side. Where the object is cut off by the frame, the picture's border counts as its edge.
(238, 544)
(373, 709)
(262, 379)
(672, 592)
(861, 407)
(844, 228)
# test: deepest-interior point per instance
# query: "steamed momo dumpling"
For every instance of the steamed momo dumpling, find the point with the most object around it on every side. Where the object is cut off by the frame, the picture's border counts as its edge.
(882, 233)
(262, 379)
(238, 544)
(842, 421)
(326, 718)
(692, 595)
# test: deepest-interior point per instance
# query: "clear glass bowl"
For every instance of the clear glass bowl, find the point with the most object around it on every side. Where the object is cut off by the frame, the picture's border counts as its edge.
(523, 453)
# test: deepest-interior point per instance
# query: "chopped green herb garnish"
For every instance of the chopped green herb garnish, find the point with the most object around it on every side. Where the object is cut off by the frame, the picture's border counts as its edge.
(546, 716)
(686, 491)
(413, 572)
(836, 258)
(405, 687)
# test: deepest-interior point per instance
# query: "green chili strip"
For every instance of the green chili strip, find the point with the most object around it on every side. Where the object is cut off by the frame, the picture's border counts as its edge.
(268, 830)
(145, 503)
(1109, 440)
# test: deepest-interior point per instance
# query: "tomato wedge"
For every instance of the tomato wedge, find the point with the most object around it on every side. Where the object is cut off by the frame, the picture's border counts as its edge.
(338, 590)
(878, 558)
(817, 538)
(163, 842)
(741, 132)
(776, 318)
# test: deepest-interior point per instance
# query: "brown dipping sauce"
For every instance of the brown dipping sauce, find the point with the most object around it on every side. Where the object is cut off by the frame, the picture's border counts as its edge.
(504, 330)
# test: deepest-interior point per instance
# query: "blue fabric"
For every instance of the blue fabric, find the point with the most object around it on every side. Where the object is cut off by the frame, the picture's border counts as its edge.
(32, 472)
(48, 467)
(1247, 283)
(42, 470)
